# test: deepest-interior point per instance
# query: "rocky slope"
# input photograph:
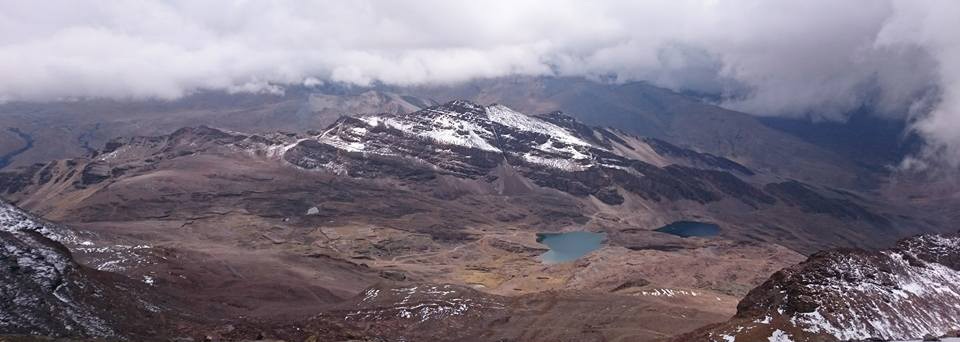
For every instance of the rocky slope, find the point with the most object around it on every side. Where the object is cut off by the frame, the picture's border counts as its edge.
(43, 291)
(422, 311)
(46, 295)
(906, 292)
(435, 312)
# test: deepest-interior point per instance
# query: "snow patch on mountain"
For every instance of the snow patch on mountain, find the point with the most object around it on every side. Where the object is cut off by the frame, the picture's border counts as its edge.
(13, 219)
(556, 163)
(418, 304)
(496, 129)
(508, 117)
(39, 280)
(780, 336)
(448, 129)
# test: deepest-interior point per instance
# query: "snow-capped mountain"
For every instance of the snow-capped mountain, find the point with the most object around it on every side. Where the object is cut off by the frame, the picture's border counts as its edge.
(459, 139)
(553, 150)
(906, 292)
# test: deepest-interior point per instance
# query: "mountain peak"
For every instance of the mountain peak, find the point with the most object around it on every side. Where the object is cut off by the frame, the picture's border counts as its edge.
(461, 106)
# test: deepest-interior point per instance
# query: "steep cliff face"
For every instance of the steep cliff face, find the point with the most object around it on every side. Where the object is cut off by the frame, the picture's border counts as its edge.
(905, 292)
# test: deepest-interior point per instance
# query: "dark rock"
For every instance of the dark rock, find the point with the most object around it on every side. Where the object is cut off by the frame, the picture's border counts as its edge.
(95, 172)
(393, 275)
(639, 282)
(696, 158)
(609, 196)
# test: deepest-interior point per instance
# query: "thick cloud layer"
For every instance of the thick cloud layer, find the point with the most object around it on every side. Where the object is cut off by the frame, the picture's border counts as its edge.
(816, 58)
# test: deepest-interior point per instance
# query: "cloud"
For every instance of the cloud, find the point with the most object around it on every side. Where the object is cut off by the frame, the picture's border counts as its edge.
(816, 58)
(935, 28)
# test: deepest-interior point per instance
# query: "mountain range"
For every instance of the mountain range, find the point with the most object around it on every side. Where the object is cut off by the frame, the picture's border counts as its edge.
(420, 215)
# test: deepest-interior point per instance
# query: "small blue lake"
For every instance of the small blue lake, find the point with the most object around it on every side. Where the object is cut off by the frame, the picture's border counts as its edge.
(569, 246)
(690, 229)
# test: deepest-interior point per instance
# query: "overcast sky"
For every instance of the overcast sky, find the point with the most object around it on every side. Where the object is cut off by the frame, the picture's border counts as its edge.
(800, 58)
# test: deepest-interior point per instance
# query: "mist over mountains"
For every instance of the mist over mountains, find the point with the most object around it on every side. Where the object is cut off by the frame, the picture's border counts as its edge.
(818, 59)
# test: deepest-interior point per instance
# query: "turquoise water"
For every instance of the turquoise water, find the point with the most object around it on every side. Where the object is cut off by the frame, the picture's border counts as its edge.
(569, 246)
(690, 228)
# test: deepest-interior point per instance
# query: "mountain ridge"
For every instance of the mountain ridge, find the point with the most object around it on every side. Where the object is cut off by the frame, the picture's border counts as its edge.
(905, 292)
(635, 107)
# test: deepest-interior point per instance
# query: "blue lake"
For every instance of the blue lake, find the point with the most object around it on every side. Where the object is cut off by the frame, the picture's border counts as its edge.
(569, 246)
(690, 228)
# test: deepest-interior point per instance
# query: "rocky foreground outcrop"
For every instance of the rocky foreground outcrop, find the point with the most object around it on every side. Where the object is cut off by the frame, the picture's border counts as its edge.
(44, 292)
(45, 295)
(906, 292)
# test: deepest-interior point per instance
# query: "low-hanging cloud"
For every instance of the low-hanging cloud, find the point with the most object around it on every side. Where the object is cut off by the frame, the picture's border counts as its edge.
(816, 58)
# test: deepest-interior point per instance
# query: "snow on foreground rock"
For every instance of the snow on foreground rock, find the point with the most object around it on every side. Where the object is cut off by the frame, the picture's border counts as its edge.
(902, 293)
(44, 292)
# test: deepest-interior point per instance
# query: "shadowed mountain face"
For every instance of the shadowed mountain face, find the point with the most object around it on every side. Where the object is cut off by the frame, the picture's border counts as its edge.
(876, 144)
(901, 293)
